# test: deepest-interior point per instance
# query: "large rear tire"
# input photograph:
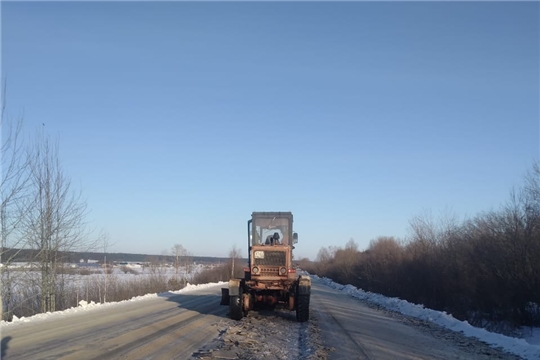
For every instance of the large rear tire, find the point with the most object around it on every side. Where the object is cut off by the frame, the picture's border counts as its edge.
(302, 308)
(236, 306)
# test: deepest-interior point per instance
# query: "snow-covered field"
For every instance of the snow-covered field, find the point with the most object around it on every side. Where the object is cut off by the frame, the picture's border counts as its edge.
(527, 347)
(21, 273)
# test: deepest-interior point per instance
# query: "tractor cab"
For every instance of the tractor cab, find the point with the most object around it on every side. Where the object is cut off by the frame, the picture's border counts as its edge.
(271, 229)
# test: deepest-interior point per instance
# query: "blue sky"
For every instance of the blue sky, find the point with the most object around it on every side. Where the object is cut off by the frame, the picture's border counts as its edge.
(179, 119)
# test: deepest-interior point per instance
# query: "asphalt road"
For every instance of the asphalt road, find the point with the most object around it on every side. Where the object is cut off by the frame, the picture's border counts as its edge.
(171, 327)
(355, 330)
(178, 326)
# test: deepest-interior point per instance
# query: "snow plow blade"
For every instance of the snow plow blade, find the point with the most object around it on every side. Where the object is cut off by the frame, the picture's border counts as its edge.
(224, 296)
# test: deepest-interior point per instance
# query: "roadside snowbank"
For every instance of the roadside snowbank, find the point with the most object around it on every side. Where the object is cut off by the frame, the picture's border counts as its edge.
(519, 347)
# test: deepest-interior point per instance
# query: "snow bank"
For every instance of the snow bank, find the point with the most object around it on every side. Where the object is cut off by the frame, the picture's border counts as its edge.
(85, 306)
(532, 335)
(519, 347)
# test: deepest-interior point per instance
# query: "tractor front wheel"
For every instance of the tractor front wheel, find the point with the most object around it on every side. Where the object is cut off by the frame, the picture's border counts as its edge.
(303, 293)
(302, 308)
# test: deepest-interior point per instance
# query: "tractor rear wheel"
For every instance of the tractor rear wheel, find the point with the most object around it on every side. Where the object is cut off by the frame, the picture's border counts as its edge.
(236, 306)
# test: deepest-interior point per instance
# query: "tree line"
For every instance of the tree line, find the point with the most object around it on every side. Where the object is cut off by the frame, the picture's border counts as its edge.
(485, 269)
(26, 255)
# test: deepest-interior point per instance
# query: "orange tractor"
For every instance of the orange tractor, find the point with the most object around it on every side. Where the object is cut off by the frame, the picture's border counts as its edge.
(270, 278)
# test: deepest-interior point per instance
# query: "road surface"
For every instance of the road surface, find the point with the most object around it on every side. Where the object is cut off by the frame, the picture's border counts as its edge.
(168, 327)
(195, 326)
(359, 331)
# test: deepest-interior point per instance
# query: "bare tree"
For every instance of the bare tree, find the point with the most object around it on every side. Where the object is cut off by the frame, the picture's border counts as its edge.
(234, 255)
(56, 222)
(107, 270)
(178, 251)
(188, 262)
(14, 182)
(324, 257)
(346, 260)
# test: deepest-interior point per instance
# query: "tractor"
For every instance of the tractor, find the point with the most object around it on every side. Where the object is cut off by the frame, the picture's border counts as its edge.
(270, 279)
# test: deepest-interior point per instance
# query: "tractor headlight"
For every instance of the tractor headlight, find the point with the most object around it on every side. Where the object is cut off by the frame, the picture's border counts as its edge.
(282, 271)
(255, 270)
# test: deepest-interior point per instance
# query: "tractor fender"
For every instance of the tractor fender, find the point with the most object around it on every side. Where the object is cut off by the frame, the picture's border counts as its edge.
(304, 285)
(234, 287)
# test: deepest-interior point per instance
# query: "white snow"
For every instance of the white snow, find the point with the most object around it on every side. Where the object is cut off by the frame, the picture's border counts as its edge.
(85, 306)
(528, 350)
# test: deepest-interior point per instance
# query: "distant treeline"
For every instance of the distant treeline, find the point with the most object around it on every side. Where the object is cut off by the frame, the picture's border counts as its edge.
(26, 255)
(483, 270)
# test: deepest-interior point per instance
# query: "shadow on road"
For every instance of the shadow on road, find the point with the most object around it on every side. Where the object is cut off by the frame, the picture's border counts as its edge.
(5, 341)
(208, 302)
(205, 303)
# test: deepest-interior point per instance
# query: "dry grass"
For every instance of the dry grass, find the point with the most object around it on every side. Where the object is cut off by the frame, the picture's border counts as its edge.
(25, 301)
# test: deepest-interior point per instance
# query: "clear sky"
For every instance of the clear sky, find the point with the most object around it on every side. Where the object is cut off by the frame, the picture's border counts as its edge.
(179, 119)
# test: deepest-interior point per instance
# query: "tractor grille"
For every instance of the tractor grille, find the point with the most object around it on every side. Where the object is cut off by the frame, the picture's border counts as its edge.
(269, 271)
(272, 258)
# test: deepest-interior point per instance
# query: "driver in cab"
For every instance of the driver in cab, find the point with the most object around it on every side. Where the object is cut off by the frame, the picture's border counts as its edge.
(272, 239)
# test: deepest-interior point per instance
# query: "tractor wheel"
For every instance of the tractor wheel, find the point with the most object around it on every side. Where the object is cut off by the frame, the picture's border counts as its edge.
(236, 306)
(302, 307)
